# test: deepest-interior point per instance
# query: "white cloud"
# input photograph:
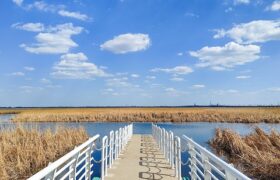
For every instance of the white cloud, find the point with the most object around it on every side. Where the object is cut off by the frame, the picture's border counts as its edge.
(125, 43)
(236, 2)
(274, 89)
(180, 54)
(176, 70)
(55, 40)
(75, 15)
(252, 32)
(118, 82)
(42, 6)
(177, 79)
(76, 66)
(170, 90)
(33, 27)
(17, 74)
(151, 77)
(28, 68)
(45, 81)
(174, 92)
(135, 75)
(226, 57)
(232, 91)
(18, 2)
(243, 77)
(190, 14)
(275, 6)
(198, 86)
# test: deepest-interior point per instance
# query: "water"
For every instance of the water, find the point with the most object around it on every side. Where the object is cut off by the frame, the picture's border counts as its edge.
(201, 132)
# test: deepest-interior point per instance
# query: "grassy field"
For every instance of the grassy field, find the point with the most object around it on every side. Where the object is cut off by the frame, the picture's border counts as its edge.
(233, 115)
(257, 154)
(24, 151)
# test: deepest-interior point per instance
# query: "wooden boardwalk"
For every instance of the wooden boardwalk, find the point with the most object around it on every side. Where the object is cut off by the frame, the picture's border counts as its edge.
(141, 160)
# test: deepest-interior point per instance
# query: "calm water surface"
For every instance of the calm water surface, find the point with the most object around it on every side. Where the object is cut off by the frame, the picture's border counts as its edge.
(201, 132)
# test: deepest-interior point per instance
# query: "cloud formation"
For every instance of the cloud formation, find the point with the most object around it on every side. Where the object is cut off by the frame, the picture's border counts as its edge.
(226, 57)
(28, 68)
(18, 2)
(76, 66)
(243, 77)
(178, 70)
(198, 86)
(43, 6)
(126, 43)
(275, 6)
(75, 15)
(54, 40)
(252, 32)
(33, 27)
(236, 2)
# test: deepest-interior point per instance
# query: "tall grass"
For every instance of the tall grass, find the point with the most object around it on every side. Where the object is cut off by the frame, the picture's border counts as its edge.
(233, 115)
(24, 151)
(257, 154)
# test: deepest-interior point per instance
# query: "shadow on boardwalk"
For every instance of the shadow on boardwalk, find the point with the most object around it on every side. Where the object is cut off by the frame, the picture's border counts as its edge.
(152, 159)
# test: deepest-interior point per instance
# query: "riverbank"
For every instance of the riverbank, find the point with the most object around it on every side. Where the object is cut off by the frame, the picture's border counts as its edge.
(231, 115)
(24, 151)
(256, 154)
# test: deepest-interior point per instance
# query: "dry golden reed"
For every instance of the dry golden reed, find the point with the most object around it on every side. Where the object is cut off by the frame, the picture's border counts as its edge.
(232, 115)
(257, 154)
(26, 150)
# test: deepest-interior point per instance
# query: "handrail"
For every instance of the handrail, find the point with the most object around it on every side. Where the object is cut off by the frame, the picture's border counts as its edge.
(209, 164)
(78, 163)
(52, 167)
(230, 171)
(113, 147)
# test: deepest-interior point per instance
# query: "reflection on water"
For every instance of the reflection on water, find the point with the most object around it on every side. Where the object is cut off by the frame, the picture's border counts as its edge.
(201, 132)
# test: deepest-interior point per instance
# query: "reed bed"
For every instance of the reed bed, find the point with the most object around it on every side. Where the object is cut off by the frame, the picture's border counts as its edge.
(26, 150)
(257, 154)
(232, 115)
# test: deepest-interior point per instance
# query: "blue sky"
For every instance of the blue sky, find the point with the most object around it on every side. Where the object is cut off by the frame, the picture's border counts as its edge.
(148, 52)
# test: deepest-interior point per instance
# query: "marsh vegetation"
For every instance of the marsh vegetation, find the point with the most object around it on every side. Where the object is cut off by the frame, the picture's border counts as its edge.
(256, 154)
(231, 115)
(26, 150)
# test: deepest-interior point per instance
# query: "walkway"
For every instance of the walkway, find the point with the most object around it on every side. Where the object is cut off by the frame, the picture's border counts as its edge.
(141, 159)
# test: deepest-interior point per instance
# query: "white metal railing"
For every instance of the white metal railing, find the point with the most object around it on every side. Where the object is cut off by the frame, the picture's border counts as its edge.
(66, 166)
(113, 147)
(78, 163)
(202, 163)
(170, 146)
(206, 165)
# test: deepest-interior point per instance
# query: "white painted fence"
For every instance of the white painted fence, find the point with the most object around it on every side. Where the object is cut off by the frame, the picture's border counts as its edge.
(202, 163)
(113, 147)
(66, 166)
(78, 163)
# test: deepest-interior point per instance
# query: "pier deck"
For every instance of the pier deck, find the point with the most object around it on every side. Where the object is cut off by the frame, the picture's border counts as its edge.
(141, 159)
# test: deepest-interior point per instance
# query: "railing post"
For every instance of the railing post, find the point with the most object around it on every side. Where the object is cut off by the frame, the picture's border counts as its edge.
(116, 144)
(88, 161)
(120, 141)
(171, 157)
(229, 176)
(192, 161)
(111, 142)
(104, 157)
(72, 167)
(206, 166)
(164, 143)
(178, 157)
(167, 149)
